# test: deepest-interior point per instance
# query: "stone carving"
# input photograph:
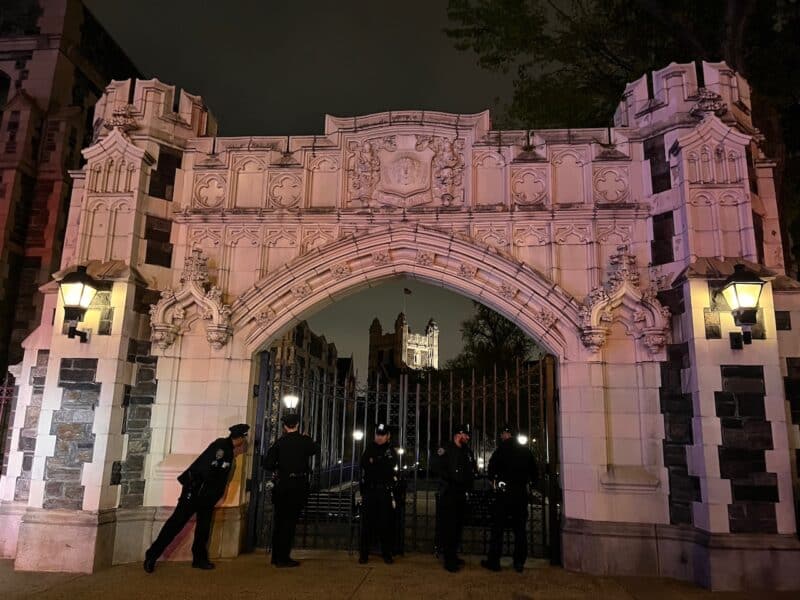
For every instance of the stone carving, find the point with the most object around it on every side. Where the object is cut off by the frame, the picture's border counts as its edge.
(529, 187)
(285, 191)
(545, 317)
(340, 270)
(281, 237)
(197, 235)
(301, 291)
(467, 271)
(507, 291)
(611, 185)
(314, 238)
(424, 259)
(168, 316)
(380, 258)
(209, 190)
(572, 234)
(531, 235)
(605, 232)
(324, 164)
(265, 317)
(708, 102)
(448, 168)
(237, 233)
(122, 119)
(639, 310)
(491, 236)
(365, 170)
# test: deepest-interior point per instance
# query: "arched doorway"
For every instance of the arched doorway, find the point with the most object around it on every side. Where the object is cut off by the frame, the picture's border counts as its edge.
(422, 410)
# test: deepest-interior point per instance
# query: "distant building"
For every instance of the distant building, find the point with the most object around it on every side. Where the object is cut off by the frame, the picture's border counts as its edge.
(391, 353)
(55, 62)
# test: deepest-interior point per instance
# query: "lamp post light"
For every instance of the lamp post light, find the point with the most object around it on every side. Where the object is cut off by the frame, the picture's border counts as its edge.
(77, 292)
(742, 291)
(522, 439)
(290, 401)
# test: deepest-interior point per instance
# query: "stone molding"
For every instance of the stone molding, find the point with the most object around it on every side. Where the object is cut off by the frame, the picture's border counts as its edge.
(621, 298)
(168, 317)
(510, 286)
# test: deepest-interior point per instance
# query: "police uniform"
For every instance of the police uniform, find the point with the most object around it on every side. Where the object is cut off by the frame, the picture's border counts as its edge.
(511, 467)
(456, 466)
(377, 486)
(287, 459)
(203, 484)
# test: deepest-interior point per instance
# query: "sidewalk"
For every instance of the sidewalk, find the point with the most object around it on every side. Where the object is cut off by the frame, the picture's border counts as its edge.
(327, 574)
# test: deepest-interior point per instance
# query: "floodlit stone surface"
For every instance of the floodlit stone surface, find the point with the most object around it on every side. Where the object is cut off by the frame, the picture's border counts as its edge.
(605, 245)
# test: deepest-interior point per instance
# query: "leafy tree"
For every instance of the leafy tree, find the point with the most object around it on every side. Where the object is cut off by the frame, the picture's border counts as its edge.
(571, 60)
(490, 339)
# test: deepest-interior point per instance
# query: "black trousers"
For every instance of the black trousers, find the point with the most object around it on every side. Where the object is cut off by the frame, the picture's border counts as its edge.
(511, 507)
(378, 516)
(289, 497)
(187, 506)
(453, 504)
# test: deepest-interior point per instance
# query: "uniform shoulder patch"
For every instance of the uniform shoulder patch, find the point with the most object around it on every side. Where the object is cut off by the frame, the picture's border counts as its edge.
(440, 452)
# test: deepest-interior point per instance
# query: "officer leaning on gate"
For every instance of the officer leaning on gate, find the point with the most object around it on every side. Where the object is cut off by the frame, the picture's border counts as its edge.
(204, 483)
(455, 464)
(511, 468)
(287, 459)
(377, 486)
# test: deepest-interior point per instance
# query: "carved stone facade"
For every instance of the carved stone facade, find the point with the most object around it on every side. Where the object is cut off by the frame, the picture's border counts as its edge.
(581, 237)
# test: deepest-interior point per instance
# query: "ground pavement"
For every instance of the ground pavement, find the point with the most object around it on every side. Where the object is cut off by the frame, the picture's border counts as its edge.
(327, 574)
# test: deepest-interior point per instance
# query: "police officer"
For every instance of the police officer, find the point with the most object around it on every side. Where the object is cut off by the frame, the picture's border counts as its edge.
(455, 464)
(377, 486)
(287, 459)
(204, 483)
(511, 468)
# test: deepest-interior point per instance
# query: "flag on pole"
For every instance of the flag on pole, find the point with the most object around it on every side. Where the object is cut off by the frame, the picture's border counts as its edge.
(407, 291)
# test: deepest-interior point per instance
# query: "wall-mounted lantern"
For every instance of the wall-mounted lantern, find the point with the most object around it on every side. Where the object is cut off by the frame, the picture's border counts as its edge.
(290, 401)
(742, 291)
(77, 292)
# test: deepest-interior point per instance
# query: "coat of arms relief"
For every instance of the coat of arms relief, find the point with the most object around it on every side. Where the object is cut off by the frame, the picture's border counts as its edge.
(406, 171)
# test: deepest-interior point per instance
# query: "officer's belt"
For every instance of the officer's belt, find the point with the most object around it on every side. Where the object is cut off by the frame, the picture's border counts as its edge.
(296, 475)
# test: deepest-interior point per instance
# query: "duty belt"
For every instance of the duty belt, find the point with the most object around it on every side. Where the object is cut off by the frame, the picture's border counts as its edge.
(296, 475)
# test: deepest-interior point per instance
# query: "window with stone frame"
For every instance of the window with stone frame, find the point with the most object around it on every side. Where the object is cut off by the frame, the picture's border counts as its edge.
(783, 320)
(158, 247)
(758, 232)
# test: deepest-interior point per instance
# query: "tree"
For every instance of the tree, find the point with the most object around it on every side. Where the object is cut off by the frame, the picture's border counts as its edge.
(572, 59)
(490, 339)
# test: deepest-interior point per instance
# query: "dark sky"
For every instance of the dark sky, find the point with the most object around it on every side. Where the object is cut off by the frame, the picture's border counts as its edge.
(276, 68)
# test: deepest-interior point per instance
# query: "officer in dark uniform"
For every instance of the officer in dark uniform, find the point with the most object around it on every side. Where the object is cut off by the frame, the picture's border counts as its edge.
(511, 468)
(204, 483)
(455, 464)
(287, 459)
(377, 486)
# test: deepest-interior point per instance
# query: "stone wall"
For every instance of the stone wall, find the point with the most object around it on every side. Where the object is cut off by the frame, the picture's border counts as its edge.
(136, 424)
(72, 426)
(678, 412)
(27, 435)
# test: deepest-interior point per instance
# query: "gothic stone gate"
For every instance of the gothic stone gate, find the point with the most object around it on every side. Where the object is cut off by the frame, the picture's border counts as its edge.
(421, 408)
(577, 236)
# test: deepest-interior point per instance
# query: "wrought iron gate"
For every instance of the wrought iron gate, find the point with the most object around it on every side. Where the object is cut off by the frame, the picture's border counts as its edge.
(421, 408)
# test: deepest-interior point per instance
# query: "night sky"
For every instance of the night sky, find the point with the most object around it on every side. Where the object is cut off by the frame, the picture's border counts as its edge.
(276, 68)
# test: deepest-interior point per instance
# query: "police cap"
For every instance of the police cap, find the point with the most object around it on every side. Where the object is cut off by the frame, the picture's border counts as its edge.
(239, 430)
(382, 429)
(462, 428)
(506, 429)
(291, 420)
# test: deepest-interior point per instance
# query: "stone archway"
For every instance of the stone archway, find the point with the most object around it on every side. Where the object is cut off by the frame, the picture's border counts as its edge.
(542, 309)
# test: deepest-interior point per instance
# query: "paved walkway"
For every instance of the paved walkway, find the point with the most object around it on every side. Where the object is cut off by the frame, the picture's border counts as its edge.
(336, 575)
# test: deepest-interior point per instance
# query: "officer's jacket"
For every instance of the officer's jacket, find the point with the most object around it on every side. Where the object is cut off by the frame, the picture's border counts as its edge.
(208, 475)
(456, 466)
(513, 464)
(288, 457)
(377, 465)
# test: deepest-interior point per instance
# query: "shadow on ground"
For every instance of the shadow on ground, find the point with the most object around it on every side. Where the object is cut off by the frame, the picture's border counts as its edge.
(328, 574)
